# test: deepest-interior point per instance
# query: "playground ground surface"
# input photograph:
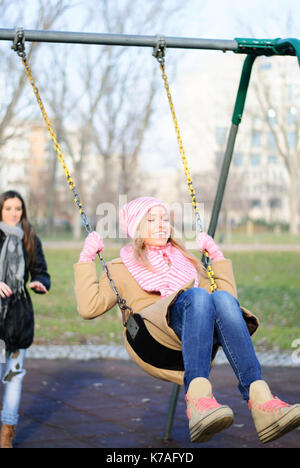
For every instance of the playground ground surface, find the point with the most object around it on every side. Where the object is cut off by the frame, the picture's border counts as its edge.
(113, 404)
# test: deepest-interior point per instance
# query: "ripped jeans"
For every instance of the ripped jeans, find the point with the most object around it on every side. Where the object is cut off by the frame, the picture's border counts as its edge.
(14, 373)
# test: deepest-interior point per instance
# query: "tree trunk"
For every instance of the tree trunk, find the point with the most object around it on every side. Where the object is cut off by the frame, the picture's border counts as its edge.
(51, 194)
(293, 202)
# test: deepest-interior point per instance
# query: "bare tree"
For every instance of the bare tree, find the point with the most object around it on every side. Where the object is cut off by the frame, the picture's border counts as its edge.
(125, 111)
(112, 105)
(59, 102)
(13, 75)
(276, 95)
(99, 99)
(73, 112)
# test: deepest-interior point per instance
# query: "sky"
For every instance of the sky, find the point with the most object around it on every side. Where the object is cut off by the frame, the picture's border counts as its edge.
(227, 18)
(218, 19)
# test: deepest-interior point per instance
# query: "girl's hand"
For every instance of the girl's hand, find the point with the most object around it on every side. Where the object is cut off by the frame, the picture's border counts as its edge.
(5, 290)
(92, 244)
(206, 243)
(38, 287)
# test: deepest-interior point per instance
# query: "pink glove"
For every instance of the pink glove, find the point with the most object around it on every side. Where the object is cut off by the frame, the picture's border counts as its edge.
(92, 244)
(205, 242)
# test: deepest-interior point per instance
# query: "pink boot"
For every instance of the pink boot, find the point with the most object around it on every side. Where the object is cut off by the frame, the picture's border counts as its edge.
(272, 417)
(206, 416)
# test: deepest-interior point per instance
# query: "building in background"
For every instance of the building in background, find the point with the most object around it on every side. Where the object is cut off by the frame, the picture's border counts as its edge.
(258, 175)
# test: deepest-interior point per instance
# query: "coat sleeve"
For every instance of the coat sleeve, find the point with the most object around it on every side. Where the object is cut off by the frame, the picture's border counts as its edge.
(224, 277)
(94, 297)
(39, 270)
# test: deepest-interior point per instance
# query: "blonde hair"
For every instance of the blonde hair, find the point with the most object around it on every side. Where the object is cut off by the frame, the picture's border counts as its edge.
(139, 249)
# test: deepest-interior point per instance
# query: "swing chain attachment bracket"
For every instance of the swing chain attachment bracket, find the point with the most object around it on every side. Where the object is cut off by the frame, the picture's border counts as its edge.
(19, 43)
(159, 51)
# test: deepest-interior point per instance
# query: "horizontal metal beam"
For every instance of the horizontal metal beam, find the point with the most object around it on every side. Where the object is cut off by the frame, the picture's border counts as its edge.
(239, 45)
(119, 39)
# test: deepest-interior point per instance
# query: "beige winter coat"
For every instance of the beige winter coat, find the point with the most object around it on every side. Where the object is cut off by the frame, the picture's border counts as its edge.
(95, 297)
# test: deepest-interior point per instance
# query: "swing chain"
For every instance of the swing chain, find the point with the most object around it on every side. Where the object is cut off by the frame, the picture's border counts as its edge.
(121, 302)
(19, 47)
(159, 54)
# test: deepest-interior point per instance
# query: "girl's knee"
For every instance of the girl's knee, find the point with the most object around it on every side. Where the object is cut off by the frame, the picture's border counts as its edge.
(226, 304)
(198, 295)
(198, 300)
(223, 297)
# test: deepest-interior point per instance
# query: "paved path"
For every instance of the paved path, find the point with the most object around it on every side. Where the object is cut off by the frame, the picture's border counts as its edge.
(107, 403)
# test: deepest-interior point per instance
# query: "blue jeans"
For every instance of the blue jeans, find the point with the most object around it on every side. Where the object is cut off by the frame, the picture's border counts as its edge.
(12, 379)
(201, 319)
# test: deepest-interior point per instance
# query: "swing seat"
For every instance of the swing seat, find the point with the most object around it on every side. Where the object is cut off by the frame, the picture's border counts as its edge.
(151, 351)
(154, 353)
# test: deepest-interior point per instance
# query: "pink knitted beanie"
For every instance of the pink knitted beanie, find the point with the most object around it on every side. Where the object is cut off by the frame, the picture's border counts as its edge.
(133, 212)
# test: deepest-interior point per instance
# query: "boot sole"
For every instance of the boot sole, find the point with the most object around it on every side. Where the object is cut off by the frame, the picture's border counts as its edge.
(285, 424)
(211, 424)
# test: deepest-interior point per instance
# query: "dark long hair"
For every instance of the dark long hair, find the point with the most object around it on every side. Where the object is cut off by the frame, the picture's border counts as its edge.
(29, 240)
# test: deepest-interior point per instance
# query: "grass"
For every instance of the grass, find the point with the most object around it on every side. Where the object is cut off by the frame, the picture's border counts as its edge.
(56, 317)
(263, 238)
(268, 285)
(257, 238)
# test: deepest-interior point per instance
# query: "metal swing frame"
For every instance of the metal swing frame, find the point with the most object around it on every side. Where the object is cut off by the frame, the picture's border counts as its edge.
(252, 48)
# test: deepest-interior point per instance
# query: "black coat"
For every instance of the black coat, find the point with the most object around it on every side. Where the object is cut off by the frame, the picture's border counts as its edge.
(17, 328)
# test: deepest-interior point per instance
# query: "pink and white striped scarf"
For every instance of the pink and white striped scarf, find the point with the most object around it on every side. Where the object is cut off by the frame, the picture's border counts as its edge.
(166, 279)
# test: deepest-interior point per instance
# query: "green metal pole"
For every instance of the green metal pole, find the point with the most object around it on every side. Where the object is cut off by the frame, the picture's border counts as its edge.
(222, 180)
(236, 120)
(171, 412)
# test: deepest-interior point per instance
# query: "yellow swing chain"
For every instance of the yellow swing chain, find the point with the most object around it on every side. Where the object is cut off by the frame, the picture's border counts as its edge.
(159, 53)
(56, 145)
(19, 47)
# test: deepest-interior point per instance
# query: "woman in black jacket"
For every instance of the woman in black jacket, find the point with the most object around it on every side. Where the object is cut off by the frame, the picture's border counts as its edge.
(21, 255)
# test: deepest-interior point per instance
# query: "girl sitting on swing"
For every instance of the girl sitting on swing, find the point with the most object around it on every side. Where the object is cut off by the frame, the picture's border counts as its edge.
(168, 287)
